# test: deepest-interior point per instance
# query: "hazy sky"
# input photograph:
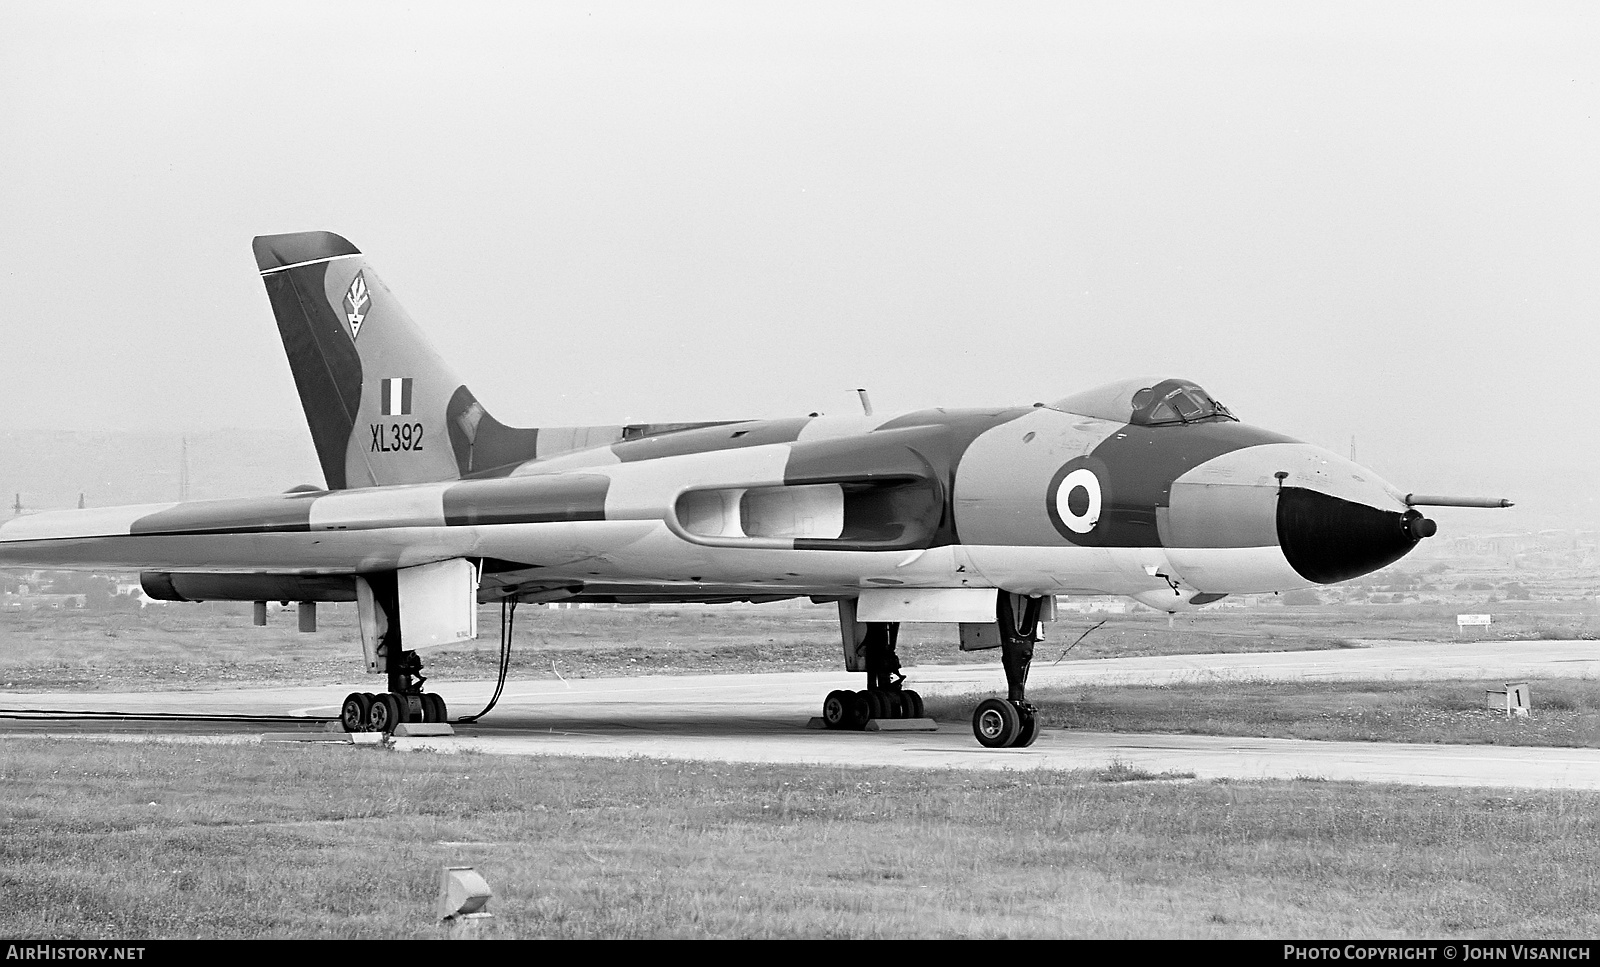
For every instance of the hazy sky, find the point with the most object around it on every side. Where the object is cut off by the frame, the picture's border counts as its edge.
(1371, 220)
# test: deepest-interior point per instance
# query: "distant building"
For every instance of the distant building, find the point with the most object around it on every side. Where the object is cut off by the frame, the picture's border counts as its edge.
(1093, 604)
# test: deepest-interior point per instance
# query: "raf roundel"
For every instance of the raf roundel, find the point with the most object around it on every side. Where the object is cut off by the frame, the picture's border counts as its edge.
(1078, 500)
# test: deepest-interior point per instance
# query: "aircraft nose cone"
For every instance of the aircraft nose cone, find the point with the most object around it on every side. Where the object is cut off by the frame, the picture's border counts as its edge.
(1327, 539)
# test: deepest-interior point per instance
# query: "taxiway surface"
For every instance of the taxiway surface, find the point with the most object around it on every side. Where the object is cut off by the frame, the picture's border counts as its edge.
(761, 717)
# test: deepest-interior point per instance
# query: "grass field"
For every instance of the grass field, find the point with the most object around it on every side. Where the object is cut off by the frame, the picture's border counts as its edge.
(1566, 711)
(163, 840)
(211, 644)
(217, 644)
(126, 841)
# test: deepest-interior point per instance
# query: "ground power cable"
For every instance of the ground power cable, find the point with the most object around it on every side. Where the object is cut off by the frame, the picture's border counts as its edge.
(508, 615)
(61, 714)
(1075, 643)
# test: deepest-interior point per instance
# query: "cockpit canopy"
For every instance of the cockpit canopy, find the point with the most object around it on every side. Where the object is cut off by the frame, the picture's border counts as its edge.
(1147, 402)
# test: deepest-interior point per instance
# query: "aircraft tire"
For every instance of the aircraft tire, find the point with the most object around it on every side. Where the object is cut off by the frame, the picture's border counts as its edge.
(434, 705)
(877, 708)
(913, 704)
(1030, 728)
(860, 710)
(385, 714)
(996, 723)
(353, 713)
(836, 709)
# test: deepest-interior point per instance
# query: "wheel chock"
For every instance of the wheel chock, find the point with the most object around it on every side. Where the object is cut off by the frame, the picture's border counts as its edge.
(405, 729)
(343, 738)
(882, 725)
(901, 725)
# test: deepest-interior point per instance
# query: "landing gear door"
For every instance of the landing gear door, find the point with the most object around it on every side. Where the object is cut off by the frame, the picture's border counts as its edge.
(374, 625)
(853, 634)
(438, 603)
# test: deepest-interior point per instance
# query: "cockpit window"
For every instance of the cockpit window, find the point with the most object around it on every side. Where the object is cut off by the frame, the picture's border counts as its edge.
(1147, 402)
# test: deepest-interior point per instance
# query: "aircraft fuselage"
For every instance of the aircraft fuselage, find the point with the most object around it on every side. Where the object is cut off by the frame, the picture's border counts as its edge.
(1030, 499)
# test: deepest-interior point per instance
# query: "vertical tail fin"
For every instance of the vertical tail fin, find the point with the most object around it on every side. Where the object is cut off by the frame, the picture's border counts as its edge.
(383, 406)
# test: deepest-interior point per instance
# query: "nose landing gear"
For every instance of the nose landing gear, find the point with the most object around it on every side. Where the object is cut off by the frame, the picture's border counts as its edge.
(1012, 722)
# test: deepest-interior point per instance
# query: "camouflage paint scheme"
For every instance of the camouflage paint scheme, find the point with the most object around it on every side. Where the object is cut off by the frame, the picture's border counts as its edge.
(1147, 488)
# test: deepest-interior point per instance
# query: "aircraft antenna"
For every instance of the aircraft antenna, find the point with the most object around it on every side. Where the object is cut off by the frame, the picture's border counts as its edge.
(16, 508)
(866, 403)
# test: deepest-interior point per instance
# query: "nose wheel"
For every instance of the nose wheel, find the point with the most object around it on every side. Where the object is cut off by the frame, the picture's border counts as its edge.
(1002, 724)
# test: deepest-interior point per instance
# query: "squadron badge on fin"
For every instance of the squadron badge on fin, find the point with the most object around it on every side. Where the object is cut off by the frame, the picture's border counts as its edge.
(355, 303)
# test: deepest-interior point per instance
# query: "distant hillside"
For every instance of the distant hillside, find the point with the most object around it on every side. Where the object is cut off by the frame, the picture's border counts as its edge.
(51, 468)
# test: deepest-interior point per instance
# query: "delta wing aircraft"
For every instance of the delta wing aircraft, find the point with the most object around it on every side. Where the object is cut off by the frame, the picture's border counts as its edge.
(978, 517)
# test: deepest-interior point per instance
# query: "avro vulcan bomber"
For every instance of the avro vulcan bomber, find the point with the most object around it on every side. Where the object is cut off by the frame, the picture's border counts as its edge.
(1149, 488)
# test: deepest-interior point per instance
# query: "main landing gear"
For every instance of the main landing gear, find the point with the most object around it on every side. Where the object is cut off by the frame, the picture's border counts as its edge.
(1012, 722)
(404, 702)
(885, 696)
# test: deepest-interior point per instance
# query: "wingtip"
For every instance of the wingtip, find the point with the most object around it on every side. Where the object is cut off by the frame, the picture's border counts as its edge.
(278, 251)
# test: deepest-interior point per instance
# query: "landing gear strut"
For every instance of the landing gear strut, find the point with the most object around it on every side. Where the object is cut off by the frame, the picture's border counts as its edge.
(1012, 722)
(405, 700)
(885, 696)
